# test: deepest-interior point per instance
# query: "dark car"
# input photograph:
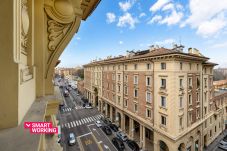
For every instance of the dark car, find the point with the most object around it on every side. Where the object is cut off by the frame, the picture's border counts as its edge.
(61, 106)
(106, 120)
(118, 144)
(107, 130)
(113, 127)
(133, 145)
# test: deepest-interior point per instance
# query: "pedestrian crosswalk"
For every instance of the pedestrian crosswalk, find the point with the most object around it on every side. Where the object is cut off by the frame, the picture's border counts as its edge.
(67, 109)
(82, 121)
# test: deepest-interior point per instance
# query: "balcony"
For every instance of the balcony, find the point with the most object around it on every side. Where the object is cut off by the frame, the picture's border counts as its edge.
(163, 90)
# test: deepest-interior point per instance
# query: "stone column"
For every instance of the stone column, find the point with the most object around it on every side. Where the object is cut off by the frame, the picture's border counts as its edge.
(131, 128)
(141, 135)
(144, 138)
(122, 122)
(111, 113)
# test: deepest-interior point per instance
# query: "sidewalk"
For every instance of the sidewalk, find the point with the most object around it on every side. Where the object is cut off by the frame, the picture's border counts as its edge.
(215, 143)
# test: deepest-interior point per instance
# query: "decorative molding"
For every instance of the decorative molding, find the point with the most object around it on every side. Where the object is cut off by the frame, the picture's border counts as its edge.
(56, 33)
(26, 74)
(24, 25)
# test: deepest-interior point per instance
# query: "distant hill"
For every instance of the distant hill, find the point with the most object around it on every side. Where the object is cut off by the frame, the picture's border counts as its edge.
(220, 74)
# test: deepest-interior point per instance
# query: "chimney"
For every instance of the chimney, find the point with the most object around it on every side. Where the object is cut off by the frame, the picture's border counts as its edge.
(190, 50)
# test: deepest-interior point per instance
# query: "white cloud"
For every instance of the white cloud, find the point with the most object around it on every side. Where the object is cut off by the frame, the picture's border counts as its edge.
(77, 38)
(158, 5)
(220, 45)
(165, 42)
(169, 6)
(205, 16)
(127, 19)
(125, 6)
(173, 18)
(156, 18)
(212, 27)
(110, 17)
(142, 15)
(121, 42)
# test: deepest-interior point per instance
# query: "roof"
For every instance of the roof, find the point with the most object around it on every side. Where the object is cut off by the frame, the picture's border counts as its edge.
(146, 54)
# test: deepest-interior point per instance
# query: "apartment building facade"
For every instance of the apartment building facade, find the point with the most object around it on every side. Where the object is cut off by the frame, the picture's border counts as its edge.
(161, 98)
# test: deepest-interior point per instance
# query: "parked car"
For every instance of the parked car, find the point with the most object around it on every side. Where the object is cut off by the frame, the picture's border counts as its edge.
(133, 145)
(113, 127)
(88, 106)
(98, 123)
(72, 139)
(122, 136)
(223, 142)
(107, 130)
(61, 106)
(106, 120)
(118, 144)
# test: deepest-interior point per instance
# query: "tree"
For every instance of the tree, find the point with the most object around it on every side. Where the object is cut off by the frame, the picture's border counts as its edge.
(218, 75)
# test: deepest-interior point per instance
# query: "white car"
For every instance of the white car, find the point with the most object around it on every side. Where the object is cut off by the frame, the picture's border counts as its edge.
(72, 139)
(88, 107)
(98, 124)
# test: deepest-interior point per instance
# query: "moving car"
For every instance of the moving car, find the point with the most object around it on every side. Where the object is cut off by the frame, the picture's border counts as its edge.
(224, 147)
(88, 106)
(122, 136)
(107, 130)
(66, 93)
(106, 120)
(72, 139)
(98, 123)
(133, 145)
(118, 144)
(113, 127)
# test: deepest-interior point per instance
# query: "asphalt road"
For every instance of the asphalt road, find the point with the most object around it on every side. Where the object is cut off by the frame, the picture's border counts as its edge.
(75, 118)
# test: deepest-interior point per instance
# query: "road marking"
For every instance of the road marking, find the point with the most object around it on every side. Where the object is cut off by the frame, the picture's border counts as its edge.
(62, 125)
(84, 121)
(65, 125)
(68, 125)
(84, 134)
(74, 123)
(100, 142)
(90, 125)
(71, 124)
(77, 123)
(88, 119)
(80, 144)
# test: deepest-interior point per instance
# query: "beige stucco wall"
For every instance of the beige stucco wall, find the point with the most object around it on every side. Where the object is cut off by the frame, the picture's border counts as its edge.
(9, 69)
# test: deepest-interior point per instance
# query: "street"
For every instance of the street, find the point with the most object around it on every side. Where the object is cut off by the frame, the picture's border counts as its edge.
(81, 121)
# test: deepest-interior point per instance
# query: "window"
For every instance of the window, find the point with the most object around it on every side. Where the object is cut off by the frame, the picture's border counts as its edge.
(163, 120)
(197, 113)
(148, 66)
(126, 103)
(113, 76)
(126, 78)
(163, 101)
(135, 66)
(205, 82)
(190, 117)
(148, 97)
(206, 124)
(215, 129)
(113, 97)
(197, 97)
(119, 88)
(119, 77)
(198, 82)
(190, 66)
(148, 81)
(181, 122)
(135, 108)
(113, 67)
(181, 102)
(163, 66)
(190, 82)
(126, 67)
(205, 110)
(190, 99)
(119, 67)
(205, 70)
(126, 90)
(135, 79)
(148, 113)
(205, 96)
(163, 83)
(181, 65)
(211, 120)
(119, 99)
(210, 133)
(135, 93)
(181, 83)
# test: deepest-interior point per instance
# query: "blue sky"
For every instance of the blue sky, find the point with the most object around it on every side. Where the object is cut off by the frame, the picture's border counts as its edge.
(120, 25)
